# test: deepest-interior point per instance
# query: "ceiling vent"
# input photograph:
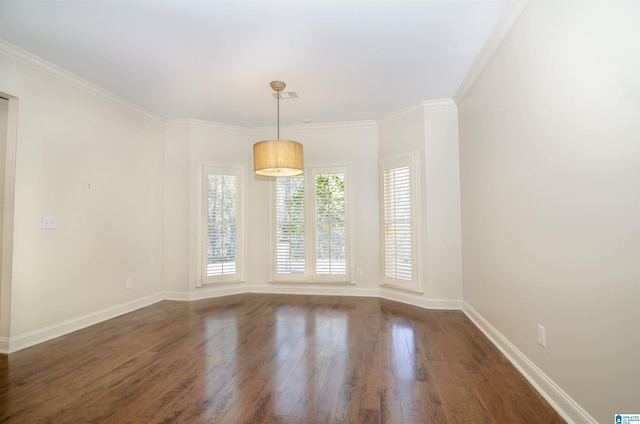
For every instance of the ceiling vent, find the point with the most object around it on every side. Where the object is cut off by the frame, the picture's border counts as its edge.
(284, 95)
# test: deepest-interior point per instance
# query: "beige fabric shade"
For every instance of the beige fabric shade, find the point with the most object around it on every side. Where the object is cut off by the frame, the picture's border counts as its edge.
(278, 158)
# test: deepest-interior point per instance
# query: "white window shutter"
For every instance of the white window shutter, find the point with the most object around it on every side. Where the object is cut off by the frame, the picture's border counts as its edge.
(222, 225)
(311, 227)
(399, 224)
(222, 197)
(290, 225)
(330, 224)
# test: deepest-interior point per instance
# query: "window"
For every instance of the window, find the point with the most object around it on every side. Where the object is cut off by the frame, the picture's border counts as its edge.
(290, 225)
(399, 228)
(222, 213)
(311, 227)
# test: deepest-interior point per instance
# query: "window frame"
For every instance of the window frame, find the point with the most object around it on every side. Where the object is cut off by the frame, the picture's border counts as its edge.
(410, 161)
(310, 274)
(204, 279)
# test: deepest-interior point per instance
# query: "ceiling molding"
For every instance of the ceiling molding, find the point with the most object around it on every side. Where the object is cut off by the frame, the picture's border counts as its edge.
(190, 123)
(403, 113)
(13, 52)
(416, 108)
(316, 127)
(508, 18)
(442, 103)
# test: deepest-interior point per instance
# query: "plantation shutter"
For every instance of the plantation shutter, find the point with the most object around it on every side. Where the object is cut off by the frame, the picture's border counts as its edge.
(221, 224)
(290, 225)
(398, 224)
(330, 224)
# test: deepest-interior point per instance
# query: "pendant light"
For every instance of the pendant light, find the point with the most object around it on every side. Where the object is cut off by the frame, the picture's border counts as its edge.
(278, 158)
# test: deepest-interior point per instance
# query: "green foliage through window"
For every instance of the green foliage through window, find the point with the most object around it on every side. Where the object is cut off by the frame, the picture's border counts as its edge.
(314, 222)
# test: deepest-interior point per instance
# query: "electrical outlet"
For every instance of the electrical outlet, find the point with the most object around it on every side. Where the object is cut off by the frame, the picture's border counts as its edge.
(128, 283)
(541, 336)
(48, 222)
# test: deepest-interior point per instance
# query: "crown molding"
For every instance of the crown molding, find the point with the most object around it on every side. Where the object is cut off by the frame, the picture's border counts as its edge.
(13, 52)
(511, 14)
(439, 104)
(417, 108)
(315, 127)
(401, 114)
(190, 123)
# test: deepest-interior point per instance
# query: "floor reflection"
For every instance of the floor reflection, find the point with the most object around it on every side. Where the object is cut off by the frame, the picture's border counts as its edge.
(309, 339)
(403, 340)
(223, 358)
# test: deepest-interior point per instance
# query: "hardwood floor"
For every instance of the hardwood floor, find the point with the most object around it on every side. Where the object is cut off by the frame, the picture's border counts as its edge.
(271, 359)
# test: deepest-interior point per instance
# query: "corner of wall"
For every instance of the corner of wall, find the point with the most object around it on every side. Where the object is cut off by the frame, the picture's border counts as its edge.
(508, 18)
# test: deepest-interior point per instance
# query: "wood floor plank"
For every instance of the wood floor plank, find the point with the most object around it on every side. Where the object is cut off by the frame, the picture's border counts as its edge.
(475, 407)
(326, 409)
(432, 403)
(266, 359)
(514, 400)
(495, 404)
(389, 401)
(304, 409)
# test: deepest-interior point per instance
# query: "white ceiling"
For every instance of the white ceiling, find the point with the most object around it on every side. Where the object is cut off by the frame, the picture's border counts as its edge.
(213, 60)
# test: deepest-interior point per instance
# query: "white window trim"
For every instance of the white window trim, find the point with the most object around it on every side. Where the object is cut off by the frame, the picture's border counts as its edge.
(309, 276)
(412, 161)
(205, 280)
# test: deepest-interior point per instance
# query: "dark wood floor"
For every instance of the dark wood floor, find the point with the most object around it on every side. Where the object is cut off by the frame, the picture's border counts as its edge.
(271, 359)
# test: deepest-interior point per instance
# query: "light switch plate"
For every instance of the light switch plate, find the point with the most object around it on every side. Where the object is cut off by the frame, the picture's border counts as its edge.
(542, 339)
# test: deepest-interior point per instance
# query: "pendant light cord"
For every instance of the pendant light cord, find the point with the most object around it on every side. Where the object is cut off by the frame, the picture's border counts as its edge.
(278, 98)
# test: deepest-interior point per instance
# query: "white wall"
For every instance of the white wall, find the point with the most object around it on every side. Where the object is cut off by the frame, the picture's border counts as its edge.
(549, 158)
(9, 141)
(177, 197)
(430, 131)
(441, 203)
(94, 163)
(5, 288)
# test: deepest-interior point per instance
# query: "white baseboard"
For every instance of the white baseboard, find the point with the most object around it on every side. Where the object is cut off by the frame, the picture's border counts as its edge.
(4, 345)
(60, 329)
(315, 289)
(207, 292)
(419, 300)
(569, 409)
